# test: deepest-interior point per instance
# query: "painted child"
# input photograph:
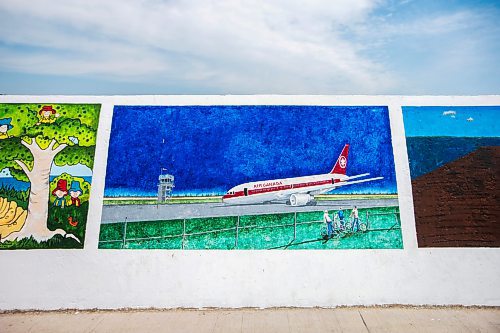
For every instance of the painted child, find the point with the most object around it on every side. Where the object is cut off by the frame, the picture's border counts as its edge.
(60, 192)
(75, 191)
(5, 125)
(48, 115)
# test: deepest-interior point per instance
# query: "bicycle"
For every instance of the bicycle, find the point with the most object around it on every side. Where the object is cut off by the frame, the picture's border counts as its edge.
(349, 225)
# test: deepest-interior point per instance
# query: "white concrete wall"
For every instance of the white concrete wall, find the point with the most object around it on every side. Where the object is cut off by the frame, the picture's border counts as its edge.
(93, 278)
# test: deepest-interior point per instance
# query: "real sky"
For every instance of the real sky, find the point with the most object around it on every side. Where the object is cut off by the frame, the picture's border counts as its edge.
(232, 47)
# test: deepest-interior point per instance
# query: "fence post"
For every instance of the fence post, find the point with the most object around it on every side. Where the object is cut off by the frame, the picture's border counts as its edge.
(396, 215)
(183, 232)
(294, 226)
(124, 233)
(237, 226)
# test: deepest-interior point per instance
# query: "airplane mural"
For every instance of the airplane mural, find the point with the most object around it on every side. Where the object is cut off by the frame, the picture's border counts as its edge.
(297, 191)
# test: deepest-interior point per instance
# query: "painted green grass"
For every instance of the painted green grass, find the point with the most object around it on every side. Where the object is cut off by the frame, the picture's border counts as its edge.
(218, 199)
(256, 232)
(56, 242)
(11, 194)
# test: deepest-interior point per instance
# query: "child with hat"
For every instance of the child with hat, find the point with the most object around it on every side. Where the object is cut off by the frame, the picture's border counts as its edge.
(60, 192)
(5, 125)
(48, 115)
(75, 191)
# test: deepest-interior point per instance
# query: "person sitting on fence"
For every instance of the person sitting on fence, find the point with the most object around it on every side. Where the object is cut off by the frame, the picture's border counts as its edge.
(329, 225)
(355, 221)
(340, 214)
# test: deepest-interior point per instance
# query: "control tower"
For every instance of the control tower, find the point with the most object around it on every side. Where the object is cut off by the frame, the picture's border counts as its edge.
(165, 186)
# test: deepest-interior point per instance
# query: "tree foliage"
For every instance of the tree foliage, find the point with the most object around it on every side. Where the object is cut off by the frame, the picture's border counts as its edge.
(75, 126)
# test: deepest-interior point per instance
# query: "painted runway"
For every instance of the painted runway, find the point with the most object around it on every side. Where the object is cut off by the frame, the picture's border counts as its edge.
(135, 213)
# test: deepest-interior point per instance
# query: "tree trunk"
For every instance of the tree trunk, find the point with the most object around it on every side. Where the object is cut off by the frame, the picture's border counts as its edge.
(39, 177)
(38, 211)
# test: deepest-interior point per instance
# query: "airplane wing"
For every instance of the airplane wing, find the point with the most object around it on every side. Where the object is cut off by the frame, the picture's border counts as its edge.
(356, 181)
(358, 176)
(347, 182)
(327, 189)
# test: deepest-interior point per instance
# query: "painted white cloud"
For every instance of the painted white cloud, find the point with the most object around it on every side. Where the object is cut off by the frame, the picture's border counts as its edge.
(73, 139)
(5, 173)
(450, 113)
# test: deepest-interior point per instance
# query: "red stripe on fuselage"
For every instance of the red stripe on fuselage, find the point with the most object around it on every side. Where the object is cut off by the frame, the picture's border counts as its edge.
(279, 188)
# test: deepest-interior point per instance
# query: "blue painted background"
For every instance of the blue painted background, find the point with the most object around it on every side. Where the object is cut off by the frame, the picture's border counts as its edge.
(451, 121)
(210, 149)
(435, 138)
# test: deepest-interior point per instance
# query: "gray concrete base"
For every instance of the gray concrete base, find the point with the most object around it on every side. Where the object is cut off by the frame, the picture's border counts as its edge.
(352, 319)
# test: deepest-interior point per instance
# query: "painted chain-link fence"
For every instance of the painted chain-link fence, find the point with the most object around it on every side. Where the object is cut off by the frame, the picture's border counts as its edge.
(378, 228)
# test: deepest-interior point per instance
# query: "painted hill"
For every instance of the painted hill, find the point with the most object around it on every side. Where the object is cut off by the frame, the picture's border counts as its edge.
(457, 204)
(427, 153)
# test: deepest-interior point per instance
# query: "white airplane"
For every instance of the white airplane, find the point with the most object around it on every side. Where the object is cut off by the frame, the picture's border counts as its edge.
(298, 191)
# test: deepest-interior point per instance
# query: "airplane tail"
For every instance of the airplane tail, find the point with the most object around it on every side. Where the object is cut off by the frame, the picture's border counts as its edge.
(341, 165)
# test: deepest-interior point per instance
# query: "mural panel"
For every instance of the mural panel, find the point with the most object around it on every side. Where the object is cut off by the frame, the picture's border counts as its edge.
(250, 177)
(46, 160)
(454, 165)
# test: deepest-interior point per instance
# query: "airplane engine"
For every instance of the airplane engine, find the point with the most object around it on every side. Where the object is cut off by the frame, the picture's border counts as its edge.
(300, 199)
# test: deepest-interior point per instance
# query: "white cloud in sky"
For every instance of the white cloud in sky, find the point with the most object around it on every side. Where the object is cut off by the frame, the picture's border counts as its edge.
(233, 46)
(228, 43)
(450, 113)
(5, 173)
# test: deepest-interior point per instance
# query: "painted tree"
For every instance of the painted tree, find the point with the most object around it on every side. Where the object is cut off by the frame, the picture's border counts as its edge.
(36, 142)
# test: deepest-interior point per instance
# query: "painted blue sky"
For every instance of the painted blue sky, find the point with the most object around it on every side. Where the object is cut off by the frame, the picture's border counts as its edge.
(234, 47)
(210, 149)
(75, 170)
(459, 121)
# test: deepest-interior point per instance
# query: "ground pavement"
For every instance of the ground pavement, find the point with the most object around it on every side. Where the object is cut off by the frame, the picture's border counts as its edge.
(350, 319)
